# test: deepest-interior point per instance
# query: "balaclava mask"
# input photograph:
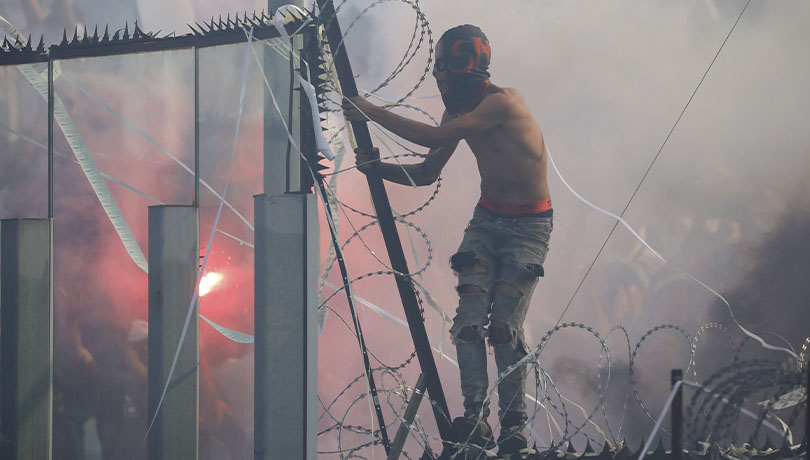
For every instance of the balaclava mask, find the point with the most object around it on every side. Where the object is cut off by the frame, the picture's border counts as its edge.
(466, 57)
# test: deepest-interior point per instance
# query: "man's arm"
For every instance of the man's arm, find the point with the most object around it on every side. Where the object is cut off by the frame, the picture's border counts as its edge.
(494, 110)
(424, 173)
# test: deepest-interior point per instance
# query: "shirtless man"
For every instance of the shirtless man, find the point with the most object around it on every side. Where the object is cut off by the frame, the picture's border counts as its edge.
(505, 244)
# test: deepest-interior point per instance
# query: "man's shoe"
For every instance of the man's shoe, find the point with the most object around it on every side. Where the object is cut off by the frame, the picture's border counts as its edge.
(469, 438)
(512, 444)
(475, 432)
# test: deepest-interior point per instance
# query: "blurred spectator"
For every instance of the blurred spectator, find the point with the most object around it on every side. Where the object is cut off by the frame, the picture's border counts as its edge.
(74, 383)
(120, 406)
(618, 295)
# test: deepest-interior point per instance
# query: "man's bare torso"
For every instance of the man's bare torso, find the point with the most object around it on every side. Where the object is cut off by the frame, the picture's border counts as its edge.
(511, 156)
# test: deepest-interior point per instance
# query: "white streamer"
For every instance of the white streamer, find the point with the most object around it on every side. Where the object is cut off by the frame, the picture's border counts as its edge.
(660, 419)
(236, 336)
(89, 167)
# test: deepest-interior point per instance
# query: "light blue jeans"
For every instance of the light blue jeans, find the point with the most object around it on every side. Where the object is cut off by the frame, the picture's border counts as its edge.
(496, 251)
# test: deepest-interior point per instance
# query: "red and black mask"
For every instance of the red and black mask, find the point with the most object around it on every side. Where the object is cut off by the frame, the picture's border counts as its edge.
(464, 67)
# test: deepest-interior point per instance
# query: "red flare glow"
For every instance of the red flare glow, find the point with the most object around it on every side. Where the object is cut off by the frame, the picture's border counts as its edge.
(208, 281)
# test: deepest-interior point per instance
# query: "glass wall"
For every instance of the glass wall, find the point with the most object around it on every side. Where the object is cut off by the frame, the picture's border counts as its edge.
(23, 141)
(124, 130)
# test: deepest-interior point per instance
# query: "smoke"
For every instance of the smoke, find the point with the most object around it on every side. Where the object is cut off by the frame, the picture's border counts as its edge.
(775, 274)
(606, 82)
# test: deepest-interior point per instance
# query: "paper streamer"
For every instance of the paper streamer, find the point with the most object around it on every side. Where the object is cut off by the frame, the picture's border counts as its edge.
(658, 422)
(89, 168)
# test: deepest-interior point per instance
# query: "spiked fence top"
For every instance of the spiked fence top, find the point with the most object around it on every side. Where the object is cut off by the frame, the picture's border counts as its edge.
(212, 33)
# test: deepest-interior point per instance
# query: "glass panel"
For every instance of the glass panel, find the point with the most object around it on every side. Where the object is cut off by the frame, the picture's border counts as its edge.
(226, 378)
(125, 128)
(23, 142)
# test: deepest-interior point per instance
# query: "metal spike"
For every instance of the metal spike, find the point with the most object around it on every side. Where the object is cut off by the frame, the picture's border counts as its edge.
(75, 35)
(137, 33)
(41, 46)
(95, 35)
(228, 21)
(64, 38)
(588, 447)
(570, 448)
(220, 22)
(6, 43)
(86, 38)
(126, 31)
(116, 37)
(193, 30)
(106, 36)
(606, 448)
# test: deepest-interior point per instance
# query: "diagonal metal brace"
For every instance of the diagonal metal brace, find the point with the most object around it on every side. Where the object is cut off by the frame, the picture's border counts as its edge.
(407, 419)
(389, 230)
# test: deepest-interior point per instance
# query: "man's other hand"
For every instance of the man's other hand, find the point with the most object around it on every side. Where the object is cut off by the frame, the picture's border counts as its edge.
(364, 158)
(357, 109)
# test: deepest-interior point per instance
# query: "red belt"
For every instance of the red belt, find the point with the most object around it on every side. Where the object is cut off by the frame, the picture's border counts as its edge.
(533, 207)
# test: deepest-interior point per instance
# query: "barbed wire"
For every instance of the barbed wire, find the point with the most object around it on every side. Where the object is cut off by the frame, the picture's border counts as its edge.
(547, 395)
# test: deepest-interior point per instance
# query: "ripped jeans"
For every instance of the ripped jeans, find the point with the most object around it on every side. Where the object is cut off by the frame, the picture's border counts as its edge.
(498, 264)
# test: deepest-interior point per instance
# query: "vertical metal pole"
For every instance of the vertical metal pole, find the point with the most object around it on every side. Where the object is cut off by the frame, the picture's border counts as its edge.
(50, 138)
(196, 201)
(286, 261)
(293, 154)
(173, 265)
(276, 143)
(286, 300)
(677, 416)
(26, 351)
